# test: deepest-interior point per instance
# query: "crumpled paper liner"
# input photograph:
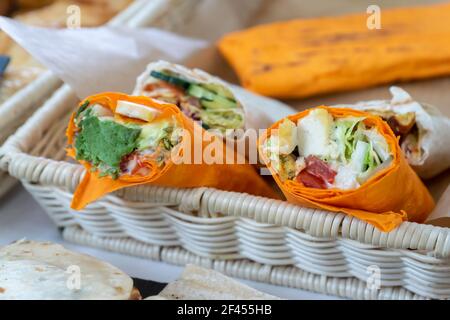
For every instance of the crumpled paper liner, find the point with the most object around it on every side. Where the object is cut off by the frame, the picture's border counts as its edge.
(100, 59)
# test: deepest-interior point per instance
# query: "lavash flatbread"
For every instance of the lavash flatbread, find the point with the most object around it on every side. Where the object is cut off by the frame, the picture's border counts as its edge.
(42, 270)
(198, 283)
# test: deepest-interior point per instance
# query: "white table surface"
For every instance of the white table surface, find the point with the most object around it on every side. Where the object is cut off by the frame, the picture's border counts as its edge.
(22, 217)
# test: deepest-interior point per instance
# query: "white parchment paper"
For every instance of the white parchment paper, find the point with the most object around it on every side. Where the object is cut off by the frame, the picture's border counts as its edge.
(93, 60)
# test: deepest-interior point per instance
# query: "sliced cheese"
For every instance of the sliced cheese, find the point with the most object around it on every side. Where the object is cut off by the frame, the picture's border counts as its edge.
(101, 111)
(287, 133)
(346, 178)
(314, 132)
(136, 111)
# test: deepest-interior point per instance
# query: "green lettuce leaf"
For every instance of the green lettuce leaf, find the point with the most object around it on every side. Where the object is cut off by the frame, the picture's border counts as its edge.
(345, 135)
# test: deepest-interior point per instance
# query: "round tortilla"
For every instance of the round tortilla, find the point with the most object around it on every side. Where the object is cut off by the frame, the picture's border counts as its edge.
(42, 270)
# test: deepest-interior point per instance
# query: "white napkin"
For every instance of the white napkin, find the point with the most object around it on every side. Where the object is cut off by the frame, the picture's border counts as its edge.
(93, 60)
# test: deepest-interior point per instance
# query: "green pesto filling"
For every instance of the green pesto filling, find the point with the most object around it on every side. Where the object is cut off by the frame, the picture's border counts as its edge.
(104, 143)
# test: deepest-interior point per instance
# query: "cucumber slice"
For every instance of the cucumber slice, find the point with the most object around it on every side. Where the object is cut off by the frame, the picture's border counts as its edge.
(358, 159)
(209, 99)
(218, 103)
(170, 79)
(219, 90)
(201, 93)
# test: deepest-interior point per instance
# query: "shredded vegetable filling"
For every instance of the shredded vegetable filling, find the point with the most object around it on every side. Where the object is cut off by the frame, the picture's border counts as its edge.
(211, 104)
(325, 152)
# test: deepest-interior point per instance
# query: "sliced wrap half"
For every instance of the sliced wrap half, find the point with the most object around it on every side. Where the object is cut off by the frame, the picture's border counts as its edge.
(347, 161)
(127, 140)
(207, 99)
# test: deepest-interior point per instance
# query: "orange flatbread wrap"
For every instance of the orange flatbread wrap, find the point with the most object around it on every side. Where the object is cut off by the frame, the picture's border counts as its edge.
(230, 177)
(306, 57)
(393, 195)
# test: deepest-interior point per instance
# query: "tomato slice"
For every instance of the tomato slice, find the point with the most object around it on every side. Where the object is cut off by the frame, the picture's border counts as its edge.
(310, 181)
(320, 169)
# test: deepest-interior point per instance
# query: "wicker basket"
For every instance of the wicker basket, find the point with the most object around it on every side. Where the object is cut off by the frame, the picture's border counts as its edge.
(238, 234)
(23, 103)
(243, 235)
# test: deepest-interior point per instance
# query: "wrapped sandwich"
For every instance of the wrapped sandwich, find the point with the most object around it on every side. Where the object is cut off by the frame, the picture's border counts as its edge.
(305, 57)
(206, 99)
(345, 160)
(127, 140)
(45, 271)
(423, 130)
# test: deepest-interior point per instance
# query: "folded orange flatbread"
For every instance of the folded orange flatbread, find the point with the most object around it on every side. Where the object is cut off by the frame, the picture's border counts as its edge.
(347, 161)
(306, 57)
(125, 140)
